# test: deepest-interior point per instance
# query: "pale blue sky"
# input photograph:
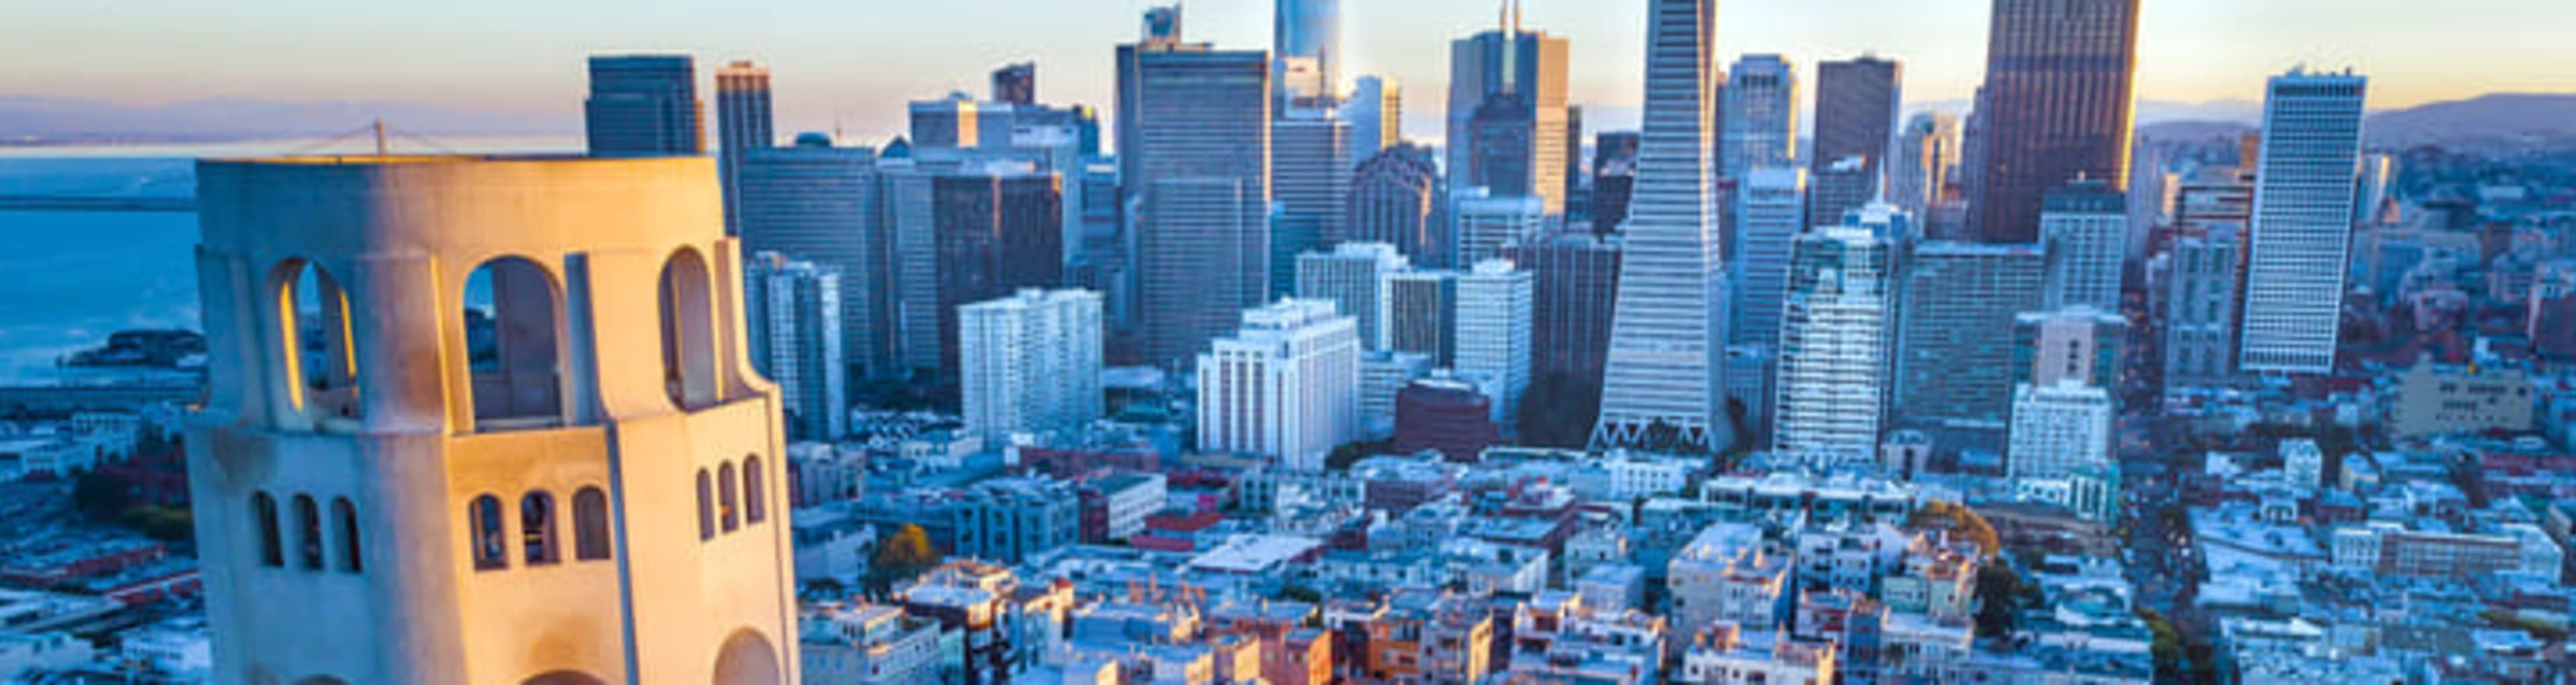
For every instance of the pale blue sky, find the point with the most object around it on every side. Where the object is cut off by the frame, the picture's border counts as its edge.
(856, 61)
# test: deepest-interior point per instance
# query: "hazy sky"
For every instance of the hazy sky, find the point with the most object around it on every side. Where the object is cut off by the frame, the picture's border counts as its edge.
(856, 61)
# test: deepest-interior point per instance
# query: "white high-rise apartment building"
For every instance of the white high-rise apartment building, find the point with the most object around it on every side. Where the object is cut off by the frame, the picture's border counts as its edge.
(2059, 429)
(474, 473)
(1761, 115)
(1487, 223)
(2085, 228)
(1285, 386)
(2302, 236)
(1668, 335)
(1494, 310)
(1837, 329)
(1770, 212)
(1030, 363)
(1354, 276)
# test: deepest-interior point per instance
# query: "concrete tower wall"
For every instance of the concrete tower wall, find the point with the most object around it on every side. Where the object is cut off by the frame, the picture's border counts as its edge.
(600, 265)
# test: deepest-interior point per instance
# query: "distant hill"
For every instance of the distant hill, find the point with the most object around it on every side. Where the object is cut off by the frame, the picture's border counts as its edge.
(36, 120)
(2194, 130)
(2489, 119)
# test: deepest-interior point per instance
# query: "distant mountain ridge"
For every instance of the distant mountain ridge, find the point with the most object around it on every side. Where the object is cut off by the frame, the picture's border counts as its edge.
(2494, 118)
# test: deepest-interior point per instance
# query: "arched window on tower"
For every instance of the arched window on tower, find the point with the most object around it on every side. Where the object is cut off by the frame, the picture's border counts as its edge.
(308, 533)
(321, 358)
(512, 343)
(537, 528)
(263, 509)
(730, 499)
(755, 497)
(491, 546)
(590, 524)
(706, 507)
(344, 515)
(688, 331)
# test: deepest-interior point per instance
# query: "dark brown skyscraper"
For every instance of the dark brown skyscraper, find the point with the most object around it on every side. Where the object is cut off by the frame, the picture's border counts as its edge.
(1856, 103)
(2056, 105)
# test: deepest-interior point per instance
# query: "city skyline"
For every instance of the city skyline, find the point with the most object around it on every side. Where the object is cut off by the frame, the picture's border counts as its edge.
(2191, 51)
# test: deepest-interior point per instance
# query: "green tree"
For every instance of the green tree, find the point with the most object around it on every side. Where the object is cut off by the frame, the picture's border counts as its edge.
(1350, 453)
(99, 497)
(1998, 599)
(2167, 648)
(899, 557)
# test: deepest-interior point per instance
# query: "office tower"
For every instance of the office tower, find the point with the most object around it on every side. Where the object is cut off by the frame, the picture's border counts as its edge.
(2084, 226)
(643, 105)
(2302, 239)
(1194, 139)
(1285, 386)
(1354, 277)
(1030, 363)
(1668, 340)
(1954, 353)
(2055, 106)
(958, 121)
(1927, 150)
(1391, 201)
(1422, 314)
(1576, 285)
(742, 125)
(1382, 375)
(1856, 104)
(1107, 262)
(1376, 113)
(2200, 309)
(1578, 204)
(995, 233)
(1749, 370)
(1760, 115)
(1837, 187)
(1016, 84)
(1500, 151)
(1494, 311)
(1486, 223)
(450, 503)
(2082, 344)
(1514, 80)
(1306, 53)
(794, 311)
(1836, 324)
(817, 203)
(2059, 429)
(2215, 197)
(2378, 171)
(1056, 146)
(1770, 212)
(1310, 181)
(1614, 176)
